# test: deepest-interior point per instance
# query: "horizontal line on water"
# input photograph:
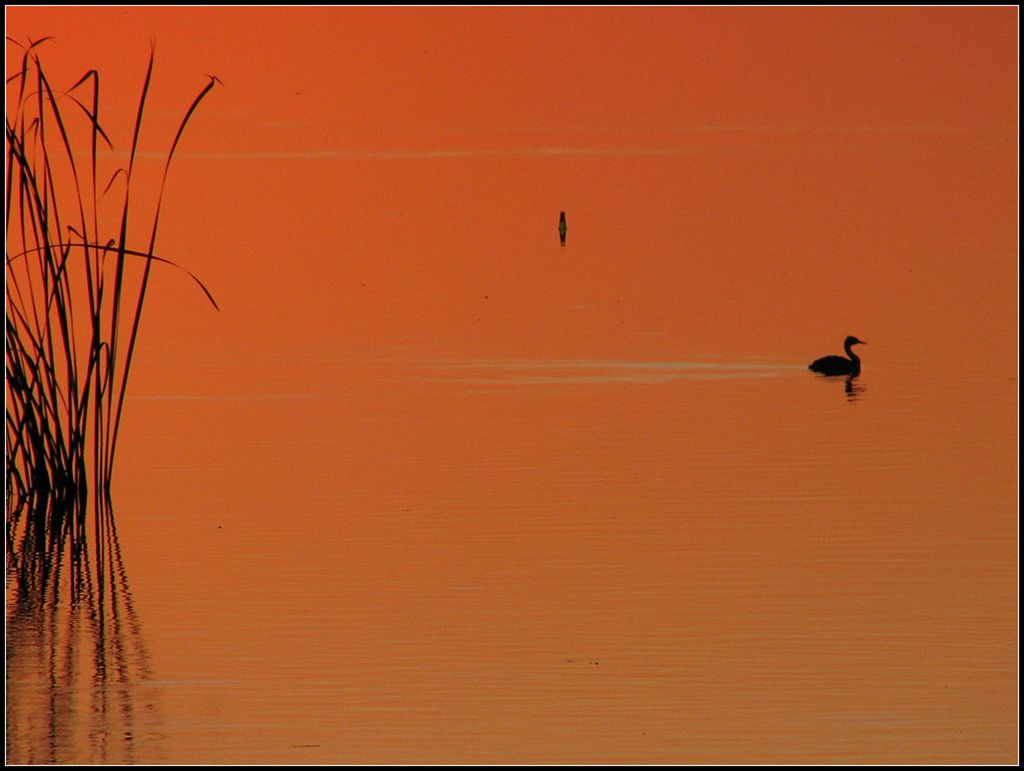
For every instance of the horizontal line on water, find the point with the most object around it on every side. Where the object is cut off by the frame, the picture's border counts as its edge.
(548, 364)
(530, 372)
(219, 397)
(566, 151)
(567, 371)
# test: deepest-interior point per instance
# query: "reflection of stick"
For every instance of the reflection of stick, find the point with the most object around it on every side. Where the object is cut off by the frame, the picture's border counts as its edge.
(562, 228)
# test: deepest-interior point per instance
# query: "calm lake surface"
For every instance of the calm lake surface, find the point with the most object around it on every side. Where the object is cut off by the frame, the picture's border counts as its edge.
(433, 488)
(718, 557)
(483, 561)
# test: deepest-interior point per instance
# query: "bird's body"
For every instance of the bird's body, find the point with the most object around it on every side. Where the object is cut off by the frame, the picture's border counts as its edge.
(562, 228)
(835, 365)
(838, 365)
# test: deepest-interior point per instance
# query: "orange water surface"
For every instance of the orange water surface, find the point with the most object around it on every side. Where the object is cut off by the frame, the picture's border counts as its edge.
(432, 487)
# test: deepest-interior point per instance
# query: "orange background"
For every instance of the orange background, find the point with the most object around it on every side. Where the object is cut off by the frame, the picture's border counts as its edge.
(340, 535)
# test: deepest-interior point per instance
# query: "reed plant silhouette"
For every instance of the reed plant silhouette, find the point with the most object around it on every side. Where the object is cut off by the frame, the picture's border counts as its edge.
(76, 285)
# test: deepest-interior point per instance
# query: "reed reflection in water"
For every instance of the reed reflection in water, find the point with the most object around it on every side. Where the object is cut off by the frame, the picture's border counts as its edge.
(422, 558)
(77, 663)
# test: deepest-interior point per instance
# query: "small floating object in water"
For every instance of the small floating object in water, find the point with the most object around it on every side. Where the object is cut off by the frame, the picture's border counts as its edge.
(562, 228)
(837, 365)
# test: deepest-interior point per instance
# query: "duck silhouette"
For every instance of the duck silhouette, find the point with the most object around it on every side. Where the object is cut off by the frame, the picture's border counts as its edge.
(838, 365)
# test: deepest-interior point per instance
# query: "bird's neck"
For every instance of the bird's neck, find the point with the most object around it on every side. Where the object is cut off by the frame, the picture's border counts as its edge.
(853, 357)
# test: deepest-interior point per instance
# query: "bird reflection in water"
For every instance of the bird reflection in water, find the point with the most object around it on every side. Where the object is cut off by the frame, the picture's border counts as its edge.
(853, 389)
(76, 660)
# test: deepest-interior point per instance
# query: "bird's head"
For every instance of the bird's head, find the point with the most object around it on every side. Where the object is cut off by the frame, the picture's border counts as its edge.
(851, 340)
